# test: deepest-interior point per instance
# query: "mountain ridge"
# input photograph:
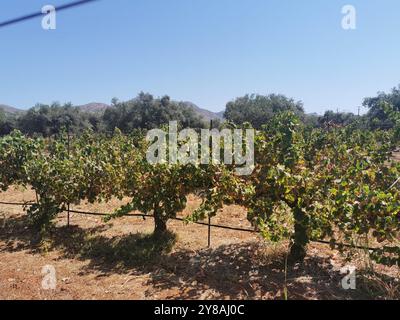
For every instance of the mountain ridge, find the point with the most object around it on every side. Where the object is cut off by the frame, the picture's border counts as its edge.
(9, 109)
(99, 107)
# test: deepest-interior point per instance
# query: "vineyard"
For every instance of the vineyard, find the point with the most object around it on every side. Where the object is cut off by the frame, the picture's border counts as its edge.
(336, 185)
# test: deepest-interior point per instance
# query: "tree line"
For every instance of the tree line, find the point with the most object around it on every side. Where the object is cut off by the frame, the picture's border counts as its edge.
(143, 112)
(147, 112)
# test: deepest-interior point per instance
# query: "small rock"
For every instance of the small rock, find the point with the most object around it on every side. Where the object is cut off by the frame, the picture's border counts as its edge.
(66, 280)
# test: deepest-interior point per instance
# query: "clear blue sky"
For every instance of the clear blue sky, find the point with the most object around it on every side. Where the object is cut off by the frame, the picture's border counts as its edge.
(205, 51)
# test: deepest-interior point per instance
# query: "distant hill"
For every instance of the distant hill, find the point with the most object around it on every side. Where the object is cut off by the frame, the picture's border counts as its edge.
(98, 107)
(221, 114)
(206, 114)
(94, 107)
(11, 110)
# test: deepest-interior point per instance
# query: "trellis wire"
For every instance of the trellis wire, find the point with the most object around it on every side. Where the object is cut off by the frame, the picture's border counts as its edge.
(209, 225)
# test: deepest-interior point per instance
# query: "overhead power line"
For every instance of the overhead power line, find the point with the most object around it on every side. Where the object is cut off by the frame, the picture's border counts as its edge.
(40, 13)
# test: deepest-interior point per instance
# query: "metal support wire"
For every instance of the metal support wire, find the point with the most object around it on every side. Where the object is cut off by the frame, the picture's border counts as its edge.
(208, 224)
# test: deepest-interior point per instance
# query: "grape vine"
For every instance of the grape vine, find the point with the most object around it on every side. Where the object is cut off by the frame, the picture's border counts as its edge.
(307, 183)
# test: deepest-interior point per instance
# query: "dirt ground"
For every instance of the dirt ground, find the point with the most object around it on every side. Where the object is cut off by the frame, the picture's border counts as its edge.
(121, 260)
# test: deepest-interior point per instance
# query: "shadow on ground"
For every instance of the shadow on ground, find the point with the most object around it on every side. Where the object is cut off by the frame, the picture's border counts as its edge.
(238, 271)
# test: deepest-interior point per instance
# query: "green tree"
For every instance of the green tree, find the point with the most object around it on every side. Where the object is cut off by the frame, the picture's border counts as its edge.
(7, 123)
(147, 112)
(259, 109)
(331, 118)
(48, 120)
(377, 116)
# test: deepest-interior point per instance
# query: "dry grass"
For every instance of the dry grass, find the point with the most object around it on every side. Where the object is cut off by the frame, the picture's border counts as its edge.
(121, 260)
(396, 156)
